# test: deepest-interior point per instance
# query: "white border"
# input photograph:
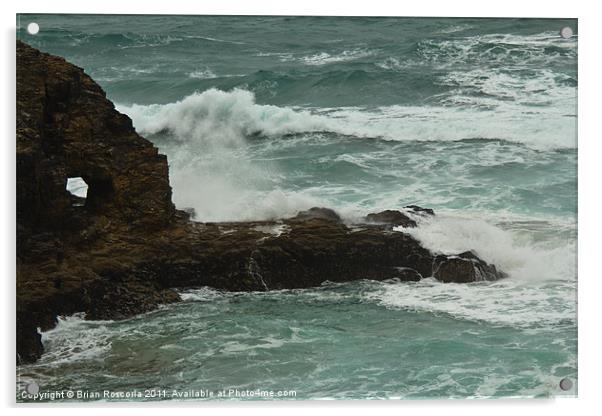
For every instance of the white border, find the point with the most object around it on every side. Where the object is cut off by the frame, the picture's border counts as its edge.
(458, 8)
(590, 176)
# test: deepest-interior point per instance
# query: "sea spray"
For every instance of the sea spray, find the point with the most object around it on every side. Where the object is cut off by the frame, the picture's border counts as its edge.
(221, 118)
(523, 258)
(227, 118)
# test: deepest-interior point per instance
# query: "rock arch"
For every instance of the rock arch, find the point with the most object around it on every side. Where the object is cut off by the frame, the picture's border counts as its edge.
(67, 127)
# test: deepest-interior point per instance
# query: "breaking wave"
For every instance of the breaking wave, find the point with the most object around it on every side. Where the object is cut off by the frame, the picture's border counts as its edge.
(516, 251)
(212, 137)
(231, 117)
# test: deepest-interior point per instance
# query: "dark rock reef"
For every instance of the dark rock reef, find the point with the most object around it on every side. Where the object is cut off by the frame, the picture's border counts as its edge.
(123, 249)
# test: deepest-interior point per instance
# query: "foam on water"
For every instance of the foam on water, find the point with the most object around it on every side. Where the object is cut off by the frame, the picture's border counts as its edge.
(203, 74)
(542, 274)
(509, 302)
(524, 259)
(209, 137)
(203, 294)
(221, 118)
(213, 171)
(539, 128)
(497, 48)
(229, 117)
(75, 339)
(508, 86)
(324, 58)
(537, 50)
(475, 332)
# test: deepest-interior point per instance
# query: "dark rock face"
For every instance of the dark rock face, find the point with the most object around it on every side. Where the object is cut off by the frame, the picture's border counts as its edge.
(127, 247)
(318, 213)
(67, 128)
(407, 274)
(29, 342)
(464, 268)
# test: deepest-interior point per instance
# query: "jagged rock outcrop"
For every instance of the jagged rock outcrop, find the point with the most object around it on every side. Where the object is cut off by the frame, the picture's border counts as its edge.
(464, 268)
(67, 128)
(123, 250)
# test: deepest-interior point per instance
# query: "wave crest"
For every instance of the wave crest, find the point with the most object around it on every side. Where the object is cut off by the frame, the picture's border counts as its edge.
(216, 169)
(228, 118)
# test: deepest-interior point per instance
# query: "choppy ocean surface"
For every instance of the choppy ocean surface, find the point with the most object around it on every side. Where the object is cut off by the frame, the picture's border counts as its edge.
(263, 116)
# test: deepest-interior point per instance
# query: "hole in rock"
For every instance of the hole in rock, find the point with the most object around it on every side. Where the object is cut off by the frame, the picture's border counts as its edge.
(78, 188)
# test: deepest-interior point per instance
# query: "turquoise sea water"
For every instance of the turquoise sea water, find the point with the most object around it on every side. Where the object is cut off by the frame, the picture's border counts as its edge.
(263, 116)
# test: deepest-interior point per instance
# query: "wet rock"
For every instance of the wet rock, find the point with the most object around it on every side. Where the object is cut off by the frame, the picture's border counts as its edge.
(317, 213)
(464, 268)
(392, 218)
(119, 301)
(29, 341)
(190, 211)
(66, 127)
(407, 274)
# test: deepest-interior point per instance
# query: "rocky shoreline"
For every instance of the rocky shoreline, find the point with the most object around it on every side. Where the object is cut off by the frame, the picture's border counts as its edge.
(125, 250)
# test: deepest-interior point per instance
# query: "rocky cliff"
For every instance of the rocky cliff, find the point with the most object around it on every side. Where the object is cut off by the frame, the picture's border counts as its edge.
(125, 248)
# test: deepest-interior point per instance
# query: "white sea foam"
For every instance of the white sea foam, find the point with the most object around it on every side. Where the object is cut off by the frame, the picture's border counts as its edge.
(523, 92)
(524, 259)
(484, 50)
(201, 294)
(507, 302)
(537, 294)
(320, 58)
(202, 74)
(498, 89)
(211, 170)
(496, 48)
(211, 167)
(229, 117)
(230, 190)
(74, 339)
(219, 116)
(235, 347)
(324, 58)
(455, 28)
(211, 39)
(282, 56)
(539, 128)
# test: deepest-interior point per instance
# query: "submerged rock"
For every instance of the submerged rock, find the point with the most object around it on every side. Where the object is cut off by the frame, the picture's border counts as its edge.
(122, 250)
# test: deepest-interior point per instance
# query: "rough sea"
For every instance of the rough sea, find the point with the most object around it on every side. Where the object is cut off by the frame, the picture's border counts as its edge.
(261, 117)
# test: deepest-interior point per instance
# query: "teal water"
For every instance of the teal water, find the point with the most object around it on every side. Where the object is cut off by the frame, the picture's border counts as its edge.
(263, 116)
